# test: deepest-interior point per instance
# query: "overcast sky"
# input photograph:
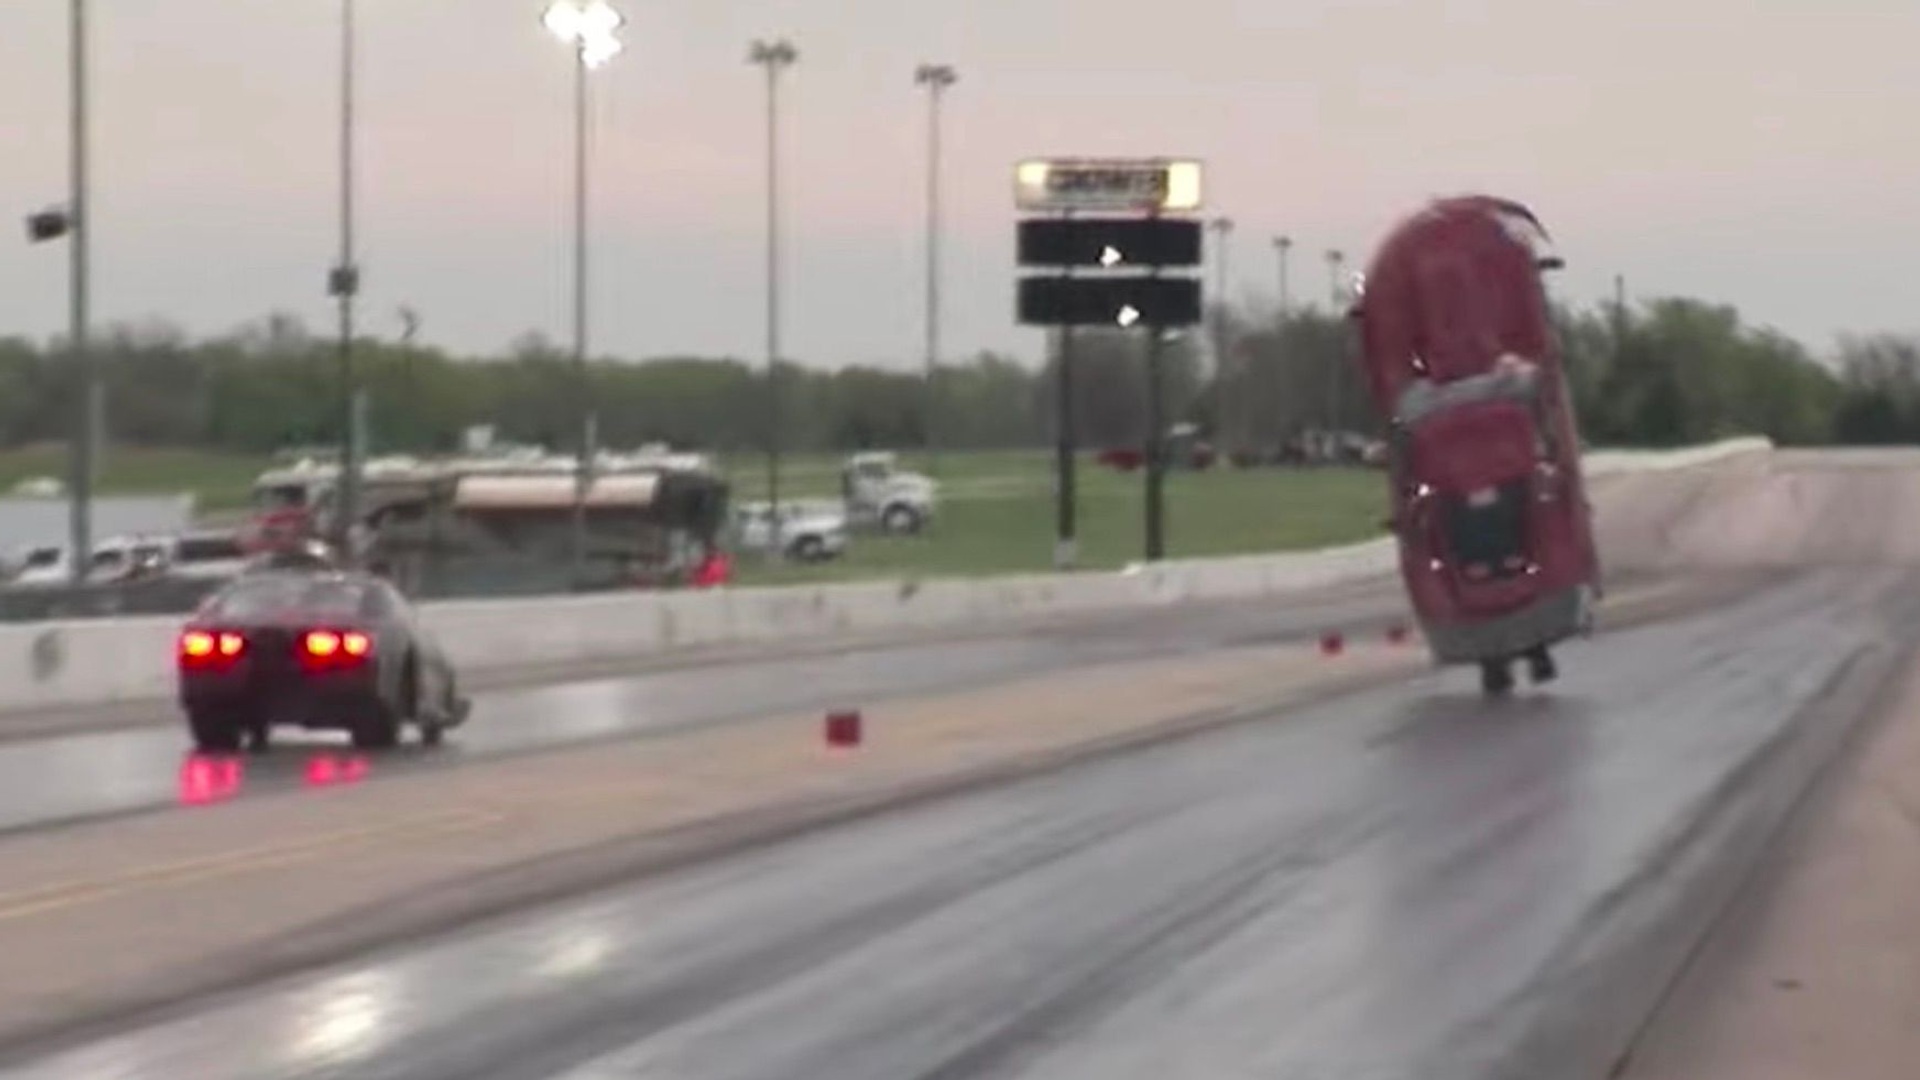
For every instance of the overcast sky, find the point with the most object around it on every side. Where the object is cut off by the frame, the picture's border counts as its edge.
(1759, 152)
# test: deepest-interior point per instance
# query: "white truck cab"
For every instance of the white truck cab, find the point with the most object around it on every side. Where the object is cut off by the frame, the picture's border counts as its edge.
(878, 492)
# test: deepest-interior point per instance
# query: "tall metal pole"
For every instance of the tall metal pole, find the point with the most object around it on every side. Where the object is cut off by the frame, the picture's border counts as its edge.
(1066, 543)
(346, 285)
(1156, 542)
(773, 56)
(1229, 412)
(936, 78)
(1283, 246)
(591, 27)
(1334, 296)
(86, 434)
(584, 448)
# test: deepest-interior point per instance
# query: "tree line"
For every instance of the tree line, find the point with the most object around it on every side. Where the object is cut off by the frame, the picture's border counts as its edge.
(1663, 372)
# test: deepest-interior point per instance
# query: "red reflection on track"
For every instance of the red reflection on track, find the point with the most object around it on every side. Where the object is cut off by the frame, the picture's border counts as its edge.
(205, 780)
(326, 770)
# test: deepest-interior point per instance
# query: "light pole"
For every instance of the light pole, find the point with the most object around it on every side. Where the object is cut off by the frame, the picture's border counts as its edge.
(1335, 258)
(1222, 228)
(343, 284)
(936, 78)
(1283, 246)
(590, 26)
(773, 56)
(81, 507)
(71, 222)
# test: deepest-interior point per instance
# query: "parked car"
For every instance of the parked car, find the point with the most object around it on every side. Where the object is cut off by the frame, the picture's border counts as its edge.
(809, 532)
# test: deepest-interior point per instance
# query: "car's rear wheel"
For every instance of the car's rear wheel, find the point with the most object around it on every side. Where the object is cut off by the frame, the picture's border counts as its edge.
(213, 732)
(1496, 678)
(381, 730)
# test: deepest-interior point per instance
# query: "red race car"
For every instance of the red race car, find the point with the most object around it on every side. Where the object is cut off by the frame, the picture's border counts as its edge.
(1496, 534)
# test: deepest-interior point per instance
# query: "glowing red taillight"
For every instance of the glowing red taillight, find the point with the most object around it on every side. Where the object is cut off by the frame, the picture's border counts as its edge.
(211, 648)
(335, 648)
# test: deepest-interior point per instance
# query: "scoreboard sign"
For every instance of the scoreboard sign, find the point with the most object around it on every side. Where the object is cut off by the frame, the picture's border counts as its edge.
(1110, 185)
(1108, 243)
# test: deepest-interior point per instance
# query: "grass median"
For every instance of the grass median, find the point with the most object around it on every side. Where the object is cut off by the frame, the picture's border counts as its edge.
(996, 511)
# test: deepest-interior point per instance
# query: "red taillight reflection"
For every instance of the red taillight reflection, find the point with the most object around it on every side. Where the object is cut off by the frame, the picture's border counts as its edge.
(205, 780)
(326, 770)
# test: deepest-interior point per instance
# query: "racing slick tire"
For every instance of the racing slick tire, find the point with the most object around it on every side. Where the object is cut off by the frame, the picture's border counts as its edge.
(1496, 678)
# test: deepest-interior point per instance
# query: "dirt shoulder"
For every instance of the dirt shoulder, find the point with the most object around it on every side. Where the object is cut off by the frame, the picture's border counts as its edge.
(1816, 972)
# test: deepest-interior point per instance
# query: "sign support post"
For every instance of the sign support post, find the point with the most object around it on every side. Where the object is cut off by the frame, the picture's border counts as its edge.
(1156, 507)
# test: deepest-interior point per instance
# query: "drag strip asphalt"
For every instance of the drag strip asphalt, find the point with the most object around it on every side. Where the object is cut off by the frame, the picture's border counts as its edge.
(51, 780)
(1404, 882)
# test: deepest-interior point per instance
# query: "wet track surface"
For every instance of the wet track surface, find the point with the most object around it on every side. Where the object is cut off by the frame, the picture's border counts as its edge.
(50, 780)
(1387, 886)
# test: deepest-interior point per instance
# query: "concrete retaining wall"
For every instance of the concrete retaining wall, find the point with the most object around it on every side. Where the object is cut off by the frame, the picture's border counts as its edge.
(97, 662)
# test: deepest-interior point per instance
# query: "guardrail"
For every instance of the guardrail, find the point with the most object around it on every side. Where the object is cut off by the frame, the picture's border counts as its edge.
(98, 662)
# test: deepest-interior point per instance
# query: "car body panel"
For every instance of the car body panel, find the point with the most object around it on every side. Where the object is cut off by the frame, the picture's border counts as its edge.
(1489, 503)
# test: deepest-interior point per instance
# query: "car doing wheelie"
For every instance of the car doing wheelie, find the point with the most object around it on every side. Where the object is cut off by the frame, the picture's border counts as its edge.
(321, 650)
(1488, 501)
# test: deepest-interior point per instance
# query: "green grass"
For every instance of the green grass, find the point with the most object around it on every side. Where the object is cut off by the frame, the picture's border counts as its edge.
(996, 511)
(996, 515)
(220, 480)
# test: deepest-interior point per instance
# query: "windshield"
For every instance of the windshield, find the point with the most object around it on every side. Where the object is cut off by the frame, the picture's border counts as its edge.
(280, 497)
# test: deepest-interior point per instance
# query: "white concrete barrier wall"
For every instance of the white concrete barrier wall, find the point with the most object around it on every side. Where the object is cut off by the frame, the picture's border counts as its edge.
(96, 662)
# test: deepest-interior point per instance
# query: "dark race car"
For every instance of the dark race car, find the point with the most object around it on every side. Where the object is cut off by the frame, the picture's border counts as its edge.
(316, 650)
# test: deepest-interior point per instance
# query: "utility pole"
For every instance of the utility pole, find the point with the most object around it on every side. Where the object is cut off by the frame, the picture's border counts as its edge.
(1224, 393)
(1335, 259)
(773, 56)
(936, 78)
(591, 27)
(1283, 246)
(87, 376)
(344, 285)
